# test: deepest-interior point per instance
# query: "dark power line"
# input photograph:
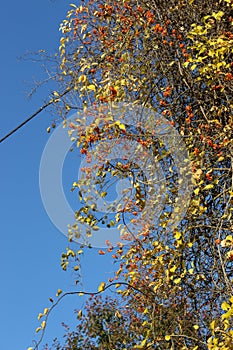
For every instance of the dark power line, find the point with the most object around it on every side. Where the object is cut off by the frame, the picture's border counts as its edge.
(33, 115)
(25, 122)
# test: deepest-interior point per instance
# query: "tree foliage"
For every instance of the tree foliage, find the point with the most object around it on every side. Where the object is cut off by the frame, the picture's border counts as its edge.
(174, 58)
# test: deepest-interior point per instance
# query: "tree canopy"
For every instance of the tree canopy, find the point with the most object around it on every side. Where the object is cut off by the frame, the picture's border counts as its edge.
(156, 77)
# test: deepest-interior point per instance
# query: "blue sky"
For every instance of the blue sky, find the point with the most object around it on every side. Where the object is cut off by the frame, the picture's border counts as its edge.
(31, 245)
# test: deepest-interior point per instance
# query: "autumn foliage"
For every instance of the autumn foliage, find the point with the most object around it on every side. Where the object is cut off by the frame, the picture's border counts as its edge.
(176, 58)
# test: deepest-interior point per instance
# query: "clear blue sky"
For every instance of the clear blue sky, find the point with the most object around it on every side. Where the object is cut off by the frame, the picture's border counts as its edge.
(30, 244)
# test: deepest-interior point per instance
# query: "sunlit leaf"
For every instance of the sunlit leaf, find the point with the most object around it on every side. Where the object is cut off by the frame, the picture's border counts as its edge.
(101, 287)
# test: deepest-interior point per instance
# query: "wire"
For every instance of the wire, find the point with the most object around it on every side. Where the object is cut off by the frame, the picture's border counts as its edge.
(25, 121)
(34, 115)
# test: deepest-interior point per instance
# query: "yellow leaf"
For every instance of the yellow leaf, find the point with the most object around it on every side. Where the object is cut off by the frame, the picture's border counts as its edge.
(218, 15)
(38, 329)
(80, 314)
(226, 317)
(121, 126)
(101, 287)
(143, 343)
(39, 316)
(43, 324)
(173, 269)
(225, 306)
(196, 326)
(82, 78)
(118, 314)
(186, 64)
(208, 187)
(177, 235)
(103, 194)
(46, 311)
(229, 238)
(55, 93)
(167, 337)
(196, 191)
(91, 87)
(70, 252)
(212, 325)
(177, 280)
(59, 291)
(164, 224)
